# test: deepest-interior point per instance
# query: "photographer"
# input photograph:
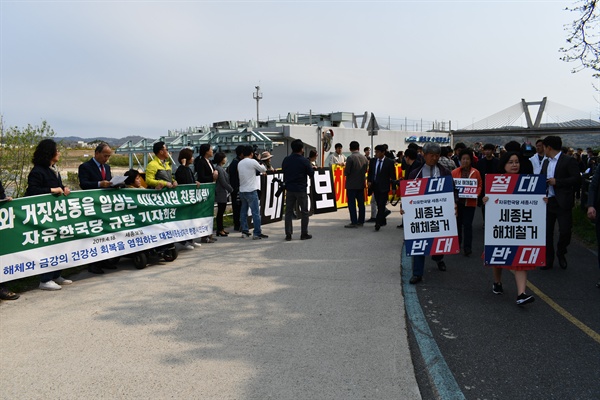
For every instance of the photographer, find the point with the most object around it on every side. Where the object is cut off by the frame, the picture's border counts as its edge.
(296, 169)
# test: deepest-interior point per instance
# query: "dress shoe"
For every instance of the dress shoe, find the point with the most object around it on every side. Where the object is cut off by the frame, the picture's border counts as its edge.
(306, 236)
(6, 294)
(468, 252)
(562, 261)
(441, 265)
(288, 238)
(95, 269)
(546, 267)
(222, 233)
(377, 227)
(415, 279)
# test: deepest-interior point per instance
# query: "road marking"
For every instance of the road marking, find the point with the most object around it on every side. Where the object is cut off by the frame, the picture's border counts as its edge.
(586, 329)
(441, 376)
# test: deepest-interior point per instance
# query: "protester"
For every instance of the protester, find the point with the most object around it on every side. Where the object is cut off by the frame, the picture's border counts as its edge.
(158, 171)
(488, 164)
(466, 206)
(430, 169)
(44, 178)
(510, 163)
(382, 172)
(458, 147)
(234, 180)
(562, 177)
(222, 191)
(337, 158)
(312, 158)
(185, 176)
(95, 173)
(445, 158)
(134, 179)
(593, 207)
(526, 165)
(296, 171)
(355, 171)
(205, 173)
(538, 157)
(247, 169)
(6, 294)
(265, 159)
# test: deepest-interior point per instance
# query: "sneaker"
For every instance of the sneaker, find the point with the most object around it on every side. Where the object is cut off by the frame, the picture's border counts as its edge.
(524, 298)
(256, 238)
(50, 285)
(189, 247)
(497, 288)
(62, 281)
(263, 236)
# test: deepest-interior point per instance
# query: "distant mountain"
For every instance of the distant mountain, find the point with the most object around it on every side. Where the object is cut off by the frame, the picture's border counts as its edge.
(582, 141)
(113, 142)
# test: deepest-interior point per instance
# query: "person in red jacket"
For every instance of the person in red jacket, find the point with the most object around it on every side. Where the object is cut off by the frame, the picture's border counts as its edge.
(466, 206)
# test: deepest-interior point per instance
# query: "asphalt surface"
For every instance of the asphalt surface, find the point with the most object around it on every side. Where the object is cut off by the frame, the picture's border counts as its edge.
(498, 350)
(238, 319)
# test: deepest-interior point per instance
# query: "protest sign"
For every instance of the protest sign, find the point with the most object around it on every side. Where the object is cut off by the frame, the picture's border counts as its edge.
(49, 232)
(515, 220)
(467, 188)
(429, 216)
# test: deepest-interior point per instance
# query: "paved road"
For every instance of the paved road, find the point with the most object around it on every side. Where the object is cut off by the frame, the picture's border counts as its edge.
(497, 350)
(238, 319)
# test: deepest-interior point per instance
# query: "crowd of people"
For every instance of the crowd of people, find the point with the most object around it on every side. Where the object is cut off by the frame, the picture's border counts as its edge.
(563, 168)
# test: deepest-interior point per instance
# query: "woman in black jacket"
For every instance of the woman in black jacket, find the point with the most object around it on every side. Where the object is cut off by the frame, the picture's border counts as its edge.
(185, 176)
(44, 178)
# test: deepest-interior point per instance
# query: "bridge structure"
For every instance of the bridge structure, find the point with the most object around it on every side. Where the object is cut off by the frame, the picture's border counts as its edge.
(532, 119)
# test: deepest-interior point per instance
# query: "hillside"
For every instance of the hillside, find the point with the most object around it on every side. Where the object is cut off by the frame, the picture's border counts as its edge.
(113, 142)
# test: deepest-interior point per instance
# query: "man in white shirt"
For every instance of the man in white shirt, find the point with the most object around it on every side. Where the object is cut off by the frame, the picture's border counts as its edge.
(249, 185)
(538, 158)
(562, 177)
(337, 158)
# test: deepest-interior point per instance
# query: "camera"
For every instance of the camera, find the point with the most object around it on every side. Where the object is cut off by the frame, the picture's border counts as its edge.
(281, 186)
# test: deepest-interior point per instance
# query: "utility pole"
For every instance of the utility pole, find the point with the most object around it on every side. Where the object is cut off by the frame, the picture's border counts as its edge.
(257, 96)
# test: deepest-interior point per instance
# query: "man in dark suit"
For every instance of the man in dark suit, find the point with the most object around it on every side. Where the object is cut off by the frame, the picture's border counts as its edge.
(95, 173)
(381, 174)
(562, 177)
(203, 167)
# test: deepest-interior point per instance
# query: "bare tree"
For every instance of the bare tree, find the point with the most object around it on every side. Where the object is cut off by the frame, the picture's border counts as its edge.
(584, 38)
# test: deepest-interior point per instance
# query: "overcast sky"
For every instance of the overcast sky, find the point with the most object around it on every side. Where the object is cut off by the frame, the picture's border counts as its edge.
(118, 68)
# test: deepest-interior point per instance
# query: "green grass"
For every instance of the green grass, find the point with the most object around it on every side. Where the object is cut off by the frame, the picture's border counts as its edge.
(583, 228)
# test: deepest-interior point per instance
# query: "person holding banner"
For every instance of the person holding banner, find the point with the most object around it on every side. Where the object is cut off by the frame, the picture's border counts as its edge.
(430, 169)
(510, 164)
(44, 178)
(6, 294)
(158, 171)
(468, 182)
(95, 173)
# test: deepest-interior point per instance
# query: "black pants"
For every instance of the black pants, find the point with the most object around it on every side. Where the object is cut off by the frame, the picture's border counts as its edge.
(220, 212)
(564, 217)
(381, 199)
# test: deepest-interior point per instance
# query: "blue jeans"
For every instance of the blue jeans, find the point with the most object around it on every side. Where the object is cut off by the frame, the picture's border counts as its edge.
(354, 196)
(250, 200)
